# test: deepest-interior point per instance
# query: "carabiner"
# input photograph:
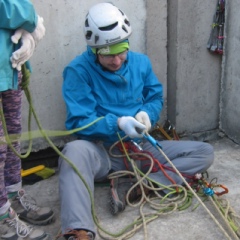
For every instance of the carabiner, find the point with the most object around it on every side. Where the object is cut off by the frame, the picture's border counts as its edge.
(225, 190)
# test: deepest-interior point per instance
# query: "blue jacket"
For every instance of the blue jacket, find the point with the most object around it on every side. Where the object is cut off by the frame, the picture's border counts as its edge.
(14, 14)
(91, 92)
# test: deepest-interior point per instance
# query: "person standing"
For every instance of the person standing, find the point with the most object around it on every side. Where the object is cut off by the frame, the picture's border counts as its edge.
(20, 31)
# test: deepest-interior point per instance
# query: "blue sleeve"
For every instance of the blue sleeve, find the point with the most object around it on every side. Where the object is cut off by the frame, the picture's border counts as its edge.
(81, 107)
(18, 14)
(153, 95)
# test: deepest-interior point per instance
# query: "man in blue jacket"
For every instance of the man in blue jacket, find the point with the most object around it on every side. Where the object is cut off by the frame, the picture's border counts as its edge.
(20, 31)
(116, 93)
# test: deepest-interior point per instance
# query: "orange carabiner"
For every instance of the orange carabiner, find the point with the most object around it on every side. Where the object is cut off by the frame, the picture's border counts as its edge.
(225, 190)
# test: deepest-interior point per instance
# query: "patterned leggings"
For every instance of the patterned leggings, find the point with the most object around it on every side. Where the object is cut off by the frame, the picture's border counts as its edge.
(10, 164)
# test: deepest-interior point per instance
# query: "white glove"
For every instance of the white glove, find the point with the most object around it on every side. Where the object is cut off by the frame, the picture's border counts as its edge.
(29, 42)
(131, 127)
(20, 56)
(39, 31)
(143, 118)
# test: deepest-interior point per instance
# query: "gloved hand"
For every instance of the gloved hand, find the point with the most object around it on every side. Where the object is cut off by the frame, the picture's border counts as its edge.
(20, 56)
(131, 127)
(143, 118)
(29, 43)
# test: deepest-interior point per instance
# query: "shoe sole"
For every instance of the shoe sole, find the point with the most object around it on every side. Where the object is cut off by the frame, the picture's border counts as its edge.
(115, 204)
(37, 222)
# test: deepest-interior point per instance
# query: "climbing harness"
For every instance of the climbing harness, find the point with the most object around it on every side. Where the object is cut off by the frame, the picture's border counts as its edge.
(216, 39)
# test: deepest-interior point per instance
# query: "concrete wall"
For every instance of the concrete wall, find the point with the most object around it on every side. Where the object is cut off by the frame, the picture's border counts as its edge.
(230, 97)
(193, 72)
(156, 43)
(174, 34)
(203, 88)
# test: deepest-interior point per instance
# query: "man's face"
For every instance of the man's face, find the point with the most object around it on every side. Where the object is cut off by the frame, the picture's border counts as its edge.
(112, 62)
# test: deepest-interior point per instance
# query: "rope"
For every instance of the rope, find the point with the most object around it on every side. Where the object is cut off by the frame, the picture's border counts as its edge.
(213, 201)
(144, 219)
(16, 137)
(197, 197)
(43, 133)
(162, 205)
(139, 222)
(27, 92)
(30, 135)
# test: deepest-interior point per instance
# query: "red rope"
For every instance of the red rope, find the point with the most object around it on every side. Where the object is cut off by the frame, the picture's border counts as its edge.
(129, 146)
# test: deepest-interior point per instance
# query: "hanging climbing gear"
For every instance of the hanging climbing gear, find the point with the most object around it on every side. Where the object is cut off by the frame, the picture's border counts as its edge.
(216, 39)
(168, 131)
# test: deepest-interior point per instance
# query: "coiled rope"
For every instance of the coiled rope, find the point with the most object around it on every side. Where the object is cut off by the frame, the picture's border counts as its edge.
(181, 202)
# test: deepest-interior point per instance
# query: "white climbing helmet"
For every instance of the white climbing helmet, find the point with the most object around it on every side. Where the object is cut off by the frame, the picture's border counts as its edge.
(105, 25)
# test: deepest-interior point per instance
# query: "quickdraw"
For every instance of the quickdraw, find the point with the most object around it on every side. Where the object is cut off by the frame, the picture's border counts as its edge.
(216, 40)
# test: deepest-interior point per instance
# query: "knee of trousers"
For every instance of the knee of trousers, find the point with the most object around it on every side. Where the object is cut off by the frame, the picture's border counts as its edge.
(72, 152)
(209, 154)
(83, 154)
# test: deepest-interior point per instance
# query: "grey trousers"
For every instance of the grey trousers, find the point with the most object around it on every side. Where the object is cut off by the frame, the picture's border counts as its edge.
(94, 163)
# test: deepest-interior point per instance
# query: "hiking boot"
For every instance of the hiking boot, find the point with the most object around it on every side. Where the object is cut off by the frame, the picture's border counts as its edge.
(27, 209)
(118, 190)
(79, 235)
(12, 228)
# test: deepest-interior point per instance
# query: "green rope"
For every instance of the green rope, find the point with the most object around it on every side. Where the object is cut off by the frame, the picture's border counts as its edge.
(16, 137)
(30, 135)
(26, 77)
(28, 95)
(25, 83)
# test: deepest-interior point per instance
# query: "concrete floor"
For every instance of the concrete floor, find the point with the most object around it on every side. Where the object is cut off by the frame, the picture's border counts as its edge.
(180, 225)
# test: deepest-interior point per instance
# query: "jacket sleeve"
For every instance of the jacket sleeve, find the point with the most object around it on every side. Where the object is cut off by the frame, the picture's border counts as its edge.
(152, 94)
(18, 14)
(81, 107)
